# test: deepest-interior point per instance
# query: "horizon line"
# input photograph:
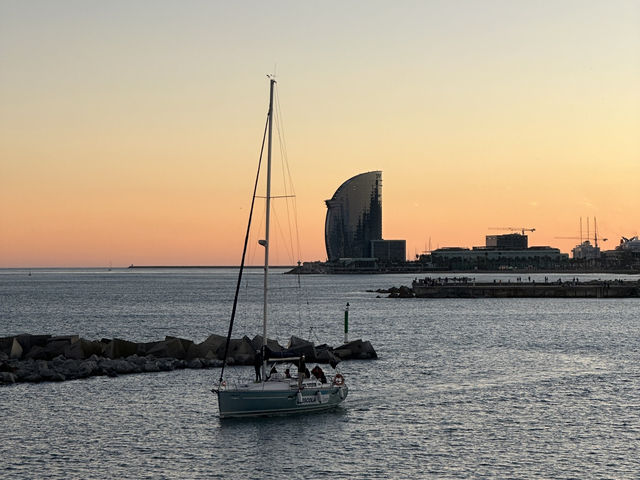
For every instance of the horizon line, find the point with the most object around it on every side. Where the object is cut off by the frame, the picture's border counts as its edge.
(141, 266)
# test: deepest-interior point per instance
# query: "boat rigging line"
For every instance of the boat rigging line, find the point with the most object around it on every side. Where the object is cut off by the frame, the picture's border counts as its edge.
(244, 251)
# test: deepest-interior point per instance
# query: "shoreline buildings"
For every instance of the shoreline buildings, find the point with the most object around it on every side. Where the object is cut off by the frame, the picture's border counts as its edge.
(501, 252)
(354, 243)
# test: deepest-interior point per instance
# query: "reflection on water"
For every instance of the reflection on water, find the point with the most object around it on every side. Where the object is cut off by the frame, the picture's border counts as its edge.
(468, 388)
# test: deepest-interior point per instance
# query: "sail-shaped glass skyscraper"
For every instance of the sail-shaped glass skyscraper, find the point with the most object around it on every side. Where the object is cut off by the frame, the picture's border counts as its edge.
(354, 217)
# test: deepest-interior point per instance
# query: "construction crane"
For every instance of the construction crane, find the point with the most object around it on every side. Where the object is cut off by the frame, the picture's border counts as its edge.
(514, 229)
(581, 238)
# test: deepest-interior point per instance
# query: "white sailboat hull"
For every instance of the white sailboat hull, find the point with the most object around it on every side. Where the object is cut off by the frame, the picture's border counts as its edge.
(278, 398)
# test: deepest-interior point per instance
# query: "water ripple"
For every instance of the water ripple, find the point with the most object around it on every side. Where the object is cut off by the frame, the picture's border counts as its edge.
(502, 388)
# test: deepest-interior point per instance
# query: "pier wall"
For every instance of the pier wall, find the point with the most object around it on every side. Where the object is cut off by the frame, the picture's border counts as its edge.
(467, 288)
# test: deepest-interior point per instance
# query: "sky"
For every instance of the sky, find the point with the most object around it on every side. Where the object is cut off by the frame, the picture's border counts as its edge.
(130, 131)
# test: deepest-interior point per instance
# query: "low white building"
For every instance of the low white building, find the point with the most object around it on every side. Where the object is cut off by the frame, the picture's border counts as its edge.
(585, 251)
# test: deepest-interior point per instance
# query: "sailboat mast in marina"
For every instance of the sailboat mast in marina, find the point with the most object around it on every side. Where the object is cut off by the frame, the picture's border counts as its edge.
(275, 394)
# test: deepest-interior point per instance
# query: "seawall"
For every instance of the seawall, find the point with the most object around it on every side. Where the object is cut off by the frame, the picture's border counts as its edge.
(467, 288)
(37, 358)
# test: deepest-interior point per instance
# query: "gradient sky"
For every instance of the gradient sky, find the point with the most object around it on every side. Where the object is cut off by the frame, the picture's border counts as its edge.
(129, 131)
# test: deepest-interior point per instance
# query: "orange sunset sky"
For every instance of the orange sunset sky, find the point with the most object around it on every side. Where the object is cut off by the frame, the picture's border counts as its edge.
(129, 131)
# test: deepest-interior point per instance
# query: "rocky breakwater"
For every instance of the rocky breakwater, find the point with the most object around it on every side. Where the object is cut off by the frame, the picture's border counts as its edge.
(465, 287)
(395, 292)
(38, 358)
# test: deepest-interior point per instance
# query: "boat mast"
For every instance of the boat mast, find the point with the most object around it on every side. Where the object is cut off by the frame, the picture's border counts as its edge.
(272, 83)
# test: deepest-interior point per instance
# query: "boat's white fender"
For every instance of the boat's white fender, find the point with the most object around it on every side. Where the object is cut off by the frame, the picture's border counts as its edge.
(299, 397)
(321, 398)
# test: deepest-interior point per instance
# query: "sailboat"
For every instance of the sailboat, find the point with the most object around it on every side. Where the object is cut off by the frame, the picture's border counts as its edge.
(277, 393)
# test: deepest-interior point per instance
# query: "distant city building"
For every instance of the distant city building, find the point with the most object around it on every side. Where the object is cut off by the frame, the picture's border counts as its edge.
(507, 241)
(394, 251)
(483, 258)
(626, 255)
(585, 251)
(501, 252)
(354, 217)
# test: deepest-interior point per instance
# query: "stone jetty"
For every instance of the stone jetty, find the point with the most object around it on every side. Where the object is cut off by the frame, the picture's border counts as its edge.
(38, 358)
(465, 287)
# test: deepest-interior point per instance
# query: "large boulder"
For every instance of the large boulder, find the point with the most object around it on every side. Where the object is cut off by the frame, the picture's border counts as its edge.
(212, 347)
(118, 348)
(135, 360)
(7, 377)
(5, 344)
(44, 370)
(211, 362)
(324, 354)
(117, 366)
(29, 341)
(26, 369)
(195, 363)
(273, 345)
(55, 347)
(63, 365)
(37, 353)
(172, 348)
(16, 349)
(87, 368)
(185, 342)
(405, 292)
(168, 364)
(143, 347)
(302, 347)
(151, 365)
(356, 350)
(64, 338)
(90, 348)
(75, 351)
(242, 351)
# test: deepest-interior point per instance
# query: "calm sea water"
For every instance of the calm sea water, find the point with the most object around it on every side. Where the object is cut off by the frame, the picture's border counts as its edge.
(468, 388)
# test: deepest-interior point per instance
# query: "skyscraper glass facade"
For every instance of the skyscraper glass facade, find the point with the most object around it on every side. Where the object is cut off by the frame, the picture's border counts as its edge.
(354, 217)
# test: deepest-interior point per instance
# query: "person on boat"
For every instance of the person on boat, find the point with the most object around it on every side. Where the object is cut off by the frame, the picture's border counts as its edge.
(287, 373)
(301, 367)
(258, 365)
(319, 374)
(273, 373)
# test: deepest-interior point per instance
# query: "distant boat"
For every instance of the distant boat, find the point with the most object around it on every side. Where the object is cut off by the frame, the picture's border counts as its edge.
(277, 393)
